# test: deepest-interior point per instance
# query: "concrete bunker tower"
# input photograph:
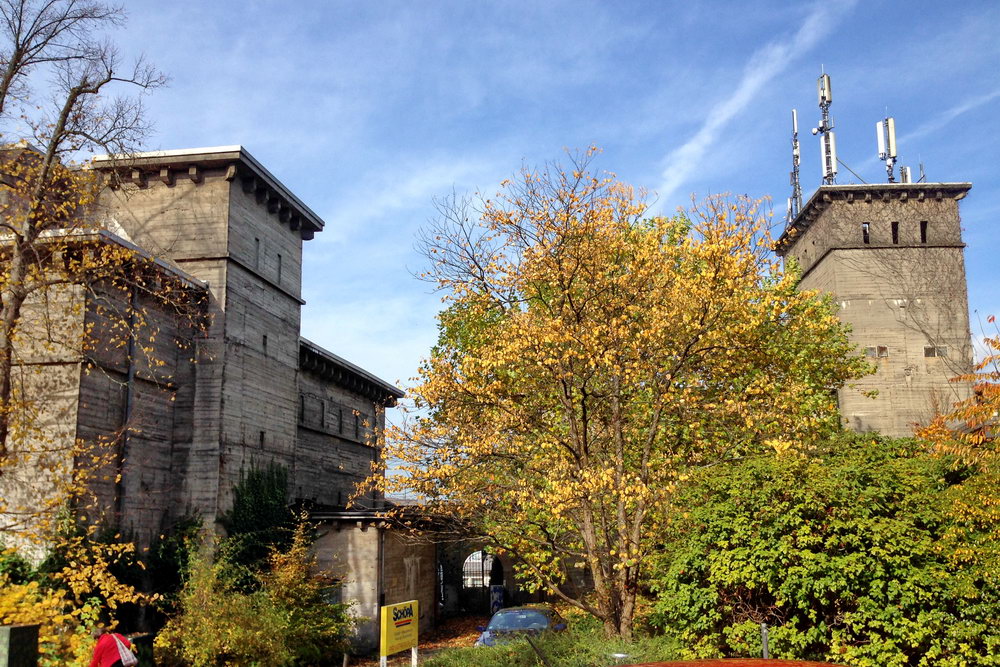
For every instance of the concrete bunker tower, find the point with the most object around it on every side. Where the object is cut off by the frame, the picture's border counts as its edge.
(891, 254)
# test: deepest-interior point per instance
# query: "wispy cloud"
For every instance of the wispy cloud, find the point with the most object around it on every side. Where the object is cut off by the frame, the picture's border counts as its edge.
(951, 114)
(764, 65)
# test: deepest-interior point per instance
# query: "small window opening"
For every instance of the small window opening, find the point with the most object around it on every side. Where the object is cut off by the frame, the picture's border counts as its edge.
(895, 232)
(256, 253)
(865, 235)
(262, 439)
(263, 343)
(935, 351)
(877, 351)
(322, 413)
(923, 231)
(279, 268)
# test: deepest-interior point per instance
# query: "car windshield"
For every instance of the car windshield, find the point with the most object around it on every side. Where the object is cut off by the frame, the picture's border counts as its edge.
(520, 619)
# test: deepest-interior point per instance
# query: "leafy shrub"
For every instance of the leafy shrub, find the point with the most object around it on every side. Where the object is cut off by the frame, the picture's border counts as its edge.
(64, 632)
(260, 521)
(584, 644)
(15, 568)
(284, 619)
(854, 556)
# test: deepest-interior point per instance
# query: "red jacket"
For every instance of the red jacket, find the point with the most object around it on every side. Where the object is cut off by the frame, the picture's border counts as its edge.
(106, 650)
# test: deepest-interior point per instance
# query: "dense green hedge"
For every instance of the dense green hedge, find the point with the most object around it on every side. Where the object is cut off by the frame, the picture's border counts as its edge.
(582, 645)
(862, 554)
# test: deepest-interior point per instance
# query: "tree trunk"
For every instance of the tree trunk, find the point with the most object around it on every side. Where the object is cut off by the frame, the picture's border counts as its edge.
(12, 299)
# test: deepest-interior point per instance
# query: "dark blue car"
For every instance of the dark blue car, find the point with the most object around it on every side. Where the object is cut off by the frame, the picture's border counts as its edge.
(514, 621)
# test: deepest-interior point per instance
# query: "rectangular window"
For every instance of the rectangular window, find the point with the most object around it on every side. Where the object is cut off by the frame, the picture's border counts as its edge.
(935, 351)
(279, 268)
(322, 413)
(865, 235)
(262, 440)
(263, 343)
(877, 351)
(895, 232)
(334, 414)
(923, 231)
(256, 253)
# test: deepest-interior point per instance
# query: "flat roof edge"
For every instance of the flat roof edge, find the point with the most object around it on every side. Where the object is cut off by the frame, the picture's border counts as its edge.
(390, 389)
(214, 155)
(954, 190)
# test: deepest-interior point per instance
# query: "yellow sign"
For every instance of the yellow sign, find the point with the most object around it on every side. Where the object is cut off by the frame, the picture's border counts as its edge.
(399, 627)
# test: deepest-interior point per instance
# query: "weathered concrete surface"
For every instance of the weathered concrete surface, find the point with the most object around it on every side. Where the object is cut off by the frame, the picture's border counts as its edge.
(891, 256)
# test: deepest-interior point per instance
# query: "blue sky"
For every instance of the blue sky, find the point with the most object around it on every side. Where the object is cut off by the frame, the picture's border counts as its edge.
(368, 110)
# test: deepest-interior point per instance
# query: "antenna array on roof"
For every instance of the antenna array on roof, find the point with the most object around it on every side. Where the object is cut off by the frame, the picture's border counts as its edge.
(828, 142)
(795, 201)
(885, 132)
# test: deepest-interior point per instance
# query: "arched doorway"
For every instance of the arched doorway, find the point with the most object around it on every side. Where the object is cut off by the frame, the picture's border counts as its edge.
(480, 570)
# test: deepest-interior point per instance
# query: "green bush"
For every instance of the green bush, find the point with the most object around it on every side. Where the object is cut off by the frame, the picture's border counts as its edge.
(260, 520)
(849, 556)
(284, 620)
(582, 645)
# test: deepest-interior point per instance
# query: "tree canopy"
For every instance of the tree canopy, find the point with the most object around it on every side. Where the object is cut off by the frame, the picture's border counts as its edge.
(590, 357)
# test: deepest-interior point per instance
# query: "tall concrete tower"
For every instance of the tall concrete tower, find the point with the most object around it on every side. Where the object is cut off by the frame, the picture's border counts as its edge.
(891, 256)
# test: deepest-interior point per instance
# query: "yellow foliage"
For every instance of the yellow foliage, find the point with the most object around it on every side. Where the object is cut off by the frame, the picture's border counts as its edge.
(64, 632)
(970, 430)
(590, 355)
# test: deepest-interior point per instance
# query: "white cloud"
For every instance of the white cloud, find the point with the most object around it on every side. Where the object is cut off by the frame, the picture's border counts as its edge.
(764, 65)
(951, 114)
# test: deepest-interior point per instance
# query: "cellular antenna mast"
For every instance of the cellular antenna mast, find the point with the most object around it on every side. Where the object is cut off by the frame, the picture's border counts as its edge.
(795, 201)
(885, 131)
(828, 143)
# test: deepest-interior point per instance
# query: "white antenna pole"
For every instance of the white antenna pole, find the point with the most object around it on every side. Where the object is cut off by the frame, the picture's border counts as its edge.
(828, 144)
(795, 201)
(886, 133)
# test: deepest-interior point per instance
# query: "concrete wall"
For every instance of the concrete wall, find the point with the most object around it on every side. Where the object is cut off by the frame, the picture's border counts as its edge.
(351, 550)
(245, 397)
(335, 447)
(900, 295)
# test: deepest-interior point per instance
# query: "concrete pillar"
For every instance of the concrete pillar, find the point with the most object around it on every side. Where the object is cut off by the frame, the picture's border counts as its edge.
(19, 646)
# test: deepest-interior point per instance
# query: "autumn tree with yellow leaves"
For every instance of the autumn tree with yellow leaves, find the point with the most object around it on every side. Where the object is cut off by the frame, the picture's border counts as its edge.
(590, 357)
(68, 289)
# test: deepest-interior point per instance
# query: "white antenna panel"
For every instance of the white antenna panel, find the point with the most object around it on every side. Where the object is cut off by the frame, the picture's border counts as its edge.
(905, 175)
(891, 136)
(795, 121)
(824, 90)
(880, 134)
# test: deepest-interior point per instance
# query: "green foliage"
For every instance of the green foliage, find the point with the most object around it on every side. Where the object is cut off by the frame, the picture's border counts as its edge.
(168, 558)
(857, 556)
(260, 520)
(584, 644)
(284, 619)
(14, 568)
